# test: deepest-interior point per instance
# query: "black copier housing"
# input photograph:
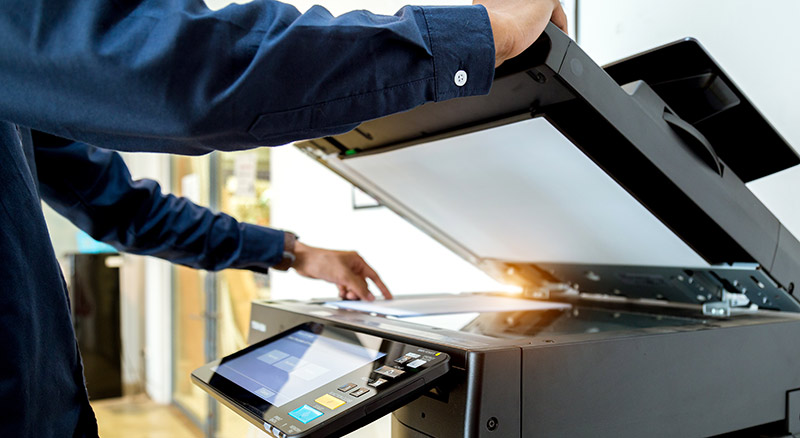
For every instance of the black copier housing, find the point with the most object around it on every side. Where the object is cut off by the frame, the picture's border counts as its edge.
(663, 351)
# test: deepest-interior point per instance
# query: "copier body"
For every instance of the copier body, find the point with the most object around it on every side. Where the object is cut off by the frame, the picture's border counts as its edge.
(658, 348)
(687, 376)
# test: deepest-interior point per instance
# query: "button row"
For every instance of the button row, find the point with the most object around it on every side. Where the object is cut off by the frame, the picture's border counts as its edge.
(358, 392)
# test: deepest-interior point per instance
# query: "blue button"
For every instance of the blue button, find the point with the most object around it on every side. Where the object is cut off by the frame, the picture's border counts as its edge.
(305, 413)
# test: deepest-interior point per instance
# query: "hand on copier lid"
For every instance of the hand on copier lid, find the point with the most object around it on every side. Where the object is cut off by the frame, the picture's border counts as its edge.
(346, 269)
(516, 24)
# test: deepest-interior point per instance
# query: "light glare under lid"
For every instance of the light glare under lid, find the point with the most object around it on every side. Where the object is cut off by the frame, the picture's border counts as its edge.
(520, 192)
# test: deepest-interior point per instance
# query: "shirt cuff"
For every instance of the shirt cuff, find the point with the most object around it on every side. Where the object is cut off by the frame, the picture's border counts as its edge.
(261, 248)
(462, 43)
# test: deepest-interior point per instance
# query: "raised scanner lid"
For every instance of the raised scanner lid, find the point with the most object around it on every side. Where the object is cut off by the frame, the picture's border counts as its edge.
(559, 163)
(520, 192)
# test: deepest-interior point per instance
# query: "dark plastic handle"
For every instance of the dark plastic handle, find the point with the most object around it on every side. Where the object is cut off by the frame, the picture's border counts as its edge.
(697, 142)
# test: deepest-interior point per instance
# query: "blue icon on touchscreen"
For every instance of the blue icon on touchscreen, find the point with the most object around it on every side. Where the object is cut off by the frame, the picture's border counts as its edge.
(305, 413)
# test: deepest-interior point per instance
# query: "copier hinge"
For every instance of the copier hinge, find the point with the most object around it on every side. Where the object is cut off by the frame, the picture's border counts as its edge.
(729, 304)
(548, 290)
(539, 293)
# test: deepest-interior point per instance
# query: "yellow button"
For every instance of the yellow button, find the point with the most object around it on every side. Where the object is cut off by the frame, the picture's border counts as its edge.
(330, 401)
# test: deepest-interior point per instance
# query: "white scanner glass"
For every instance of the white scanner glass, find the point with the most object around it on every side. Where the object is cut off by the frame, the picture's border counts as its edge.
(523, 192)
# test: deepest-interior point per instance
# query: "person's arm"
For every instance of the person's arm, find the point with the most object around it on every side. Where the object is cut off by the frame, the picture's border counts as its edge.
(174, 76)
(93, 189)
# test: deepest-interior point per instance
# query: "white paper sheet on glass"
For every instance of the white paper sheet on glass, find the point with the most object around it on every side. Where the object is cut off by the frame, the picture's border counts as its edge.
(446, 305)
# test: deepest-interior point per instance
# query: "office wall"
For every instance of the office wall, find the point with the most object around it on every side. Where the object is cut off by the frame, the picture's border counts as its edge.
(316, 204)
(757, 43)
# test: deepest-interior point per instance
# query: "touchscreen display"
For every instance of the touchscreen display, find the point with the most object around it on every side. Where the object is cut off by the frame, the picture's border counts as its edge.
(296, 364)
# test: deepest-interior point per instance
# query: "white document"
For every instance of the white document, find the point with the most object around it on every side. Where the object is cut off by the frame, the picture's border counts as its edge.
(406, 307)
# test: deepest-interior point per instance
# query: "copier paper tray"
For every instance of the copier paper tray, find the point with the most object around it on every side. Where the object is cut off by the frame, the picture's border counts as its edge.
(657, 294)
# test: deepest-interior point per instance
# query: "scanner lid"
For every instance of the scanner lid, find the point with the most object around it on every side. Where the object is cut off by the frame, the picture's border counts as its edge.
(562, 165)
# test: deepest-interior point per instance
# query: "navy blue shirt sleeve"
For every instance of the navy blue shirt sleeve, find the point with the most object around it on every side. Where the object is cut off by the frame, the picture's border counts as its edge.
(174, 76)
(93, 189)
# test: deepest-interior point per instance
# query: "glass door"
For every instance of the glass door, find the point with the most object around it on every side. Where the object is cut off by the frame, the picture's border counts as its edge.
(244, 193)
(211, 311)
(190, 179)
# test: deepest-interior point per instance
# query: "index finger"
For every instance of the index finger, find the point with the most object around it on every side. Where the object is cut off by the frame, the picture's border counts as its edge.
(363, 269)
(372, 275)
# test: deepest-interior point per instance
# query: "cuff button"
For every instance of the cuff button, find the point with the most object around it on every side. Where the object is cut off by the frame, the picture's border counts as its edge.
(461, 78)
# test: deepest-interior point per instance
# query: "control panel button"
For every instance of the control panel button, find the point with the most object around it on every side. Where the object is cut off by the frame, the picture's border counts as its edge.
(403, 359)
(413, 355)
(377, 382)
(359, 392)
(305, 413)
(348, 387)
(390, 372)
(417, 363)
(330, 401)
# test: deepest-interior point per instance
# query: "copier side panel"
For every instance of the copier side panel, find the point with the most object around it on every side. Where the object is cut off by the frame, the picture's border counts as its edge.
(695, 383)
(482, 401)
(439, 413)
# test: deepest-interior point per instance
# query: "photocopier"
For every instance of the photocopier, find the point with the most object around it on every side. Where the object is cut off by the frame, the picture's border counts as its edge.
(658, 297)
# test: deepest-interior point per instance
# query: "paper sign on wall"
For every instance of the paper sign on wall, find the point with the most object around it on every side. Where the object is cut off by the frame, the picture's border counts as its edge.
(245, 166)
